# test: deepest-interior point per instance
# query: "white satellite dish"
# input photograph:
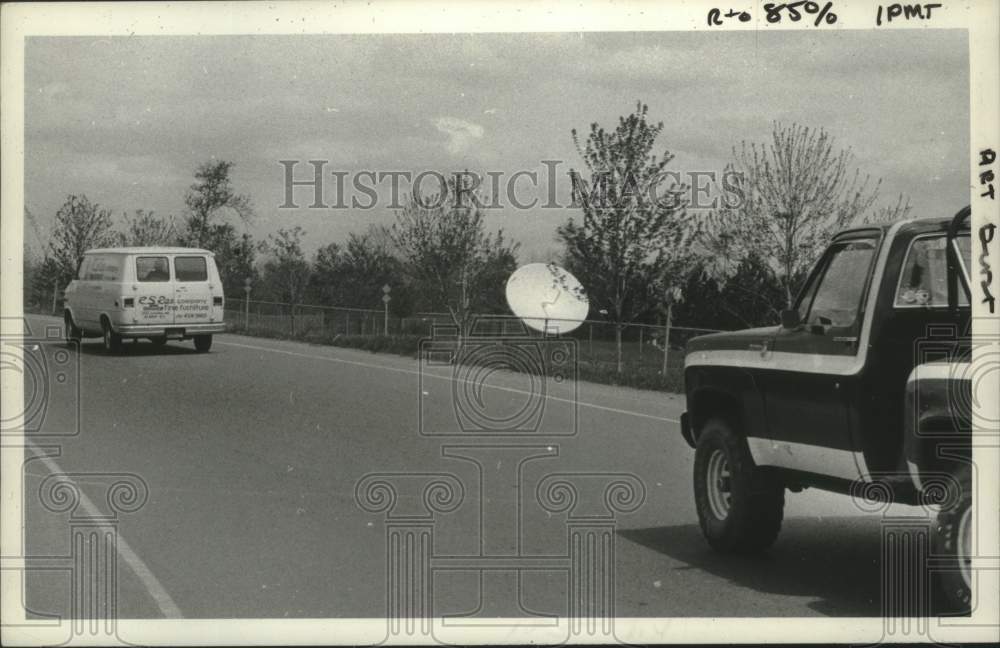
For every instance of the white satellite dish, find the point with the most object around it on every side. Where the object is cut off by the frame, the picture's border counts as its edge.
(547, 298)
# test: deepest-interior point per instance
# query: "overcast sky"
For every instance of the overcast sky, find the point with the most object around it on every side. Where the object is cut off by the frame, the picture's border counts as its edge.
(127, 120)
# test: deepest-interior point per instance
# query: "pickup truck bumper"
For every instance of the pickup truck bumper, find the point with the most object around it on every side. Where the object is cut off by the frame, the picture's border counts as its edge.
(686, 430)
(172, 331)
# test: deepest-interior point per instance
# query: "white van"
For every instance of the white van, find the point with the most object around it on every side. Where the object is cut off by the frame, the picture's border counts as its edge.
(159, 293)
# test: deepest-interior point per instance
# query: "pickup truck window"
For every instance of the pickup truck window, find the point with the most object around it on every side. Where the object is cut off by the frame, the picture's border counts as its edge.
(923, 283)
(837, 298)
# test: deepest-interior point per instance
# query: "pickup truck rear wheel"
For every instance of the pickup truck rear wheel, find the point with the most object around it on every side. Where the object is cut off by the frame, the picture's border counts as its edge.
(952, 540)
(740, 506)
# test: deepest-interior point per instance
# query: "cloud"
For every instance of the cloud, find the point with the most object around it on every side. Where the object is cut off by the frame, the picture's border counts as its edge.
(460, 133)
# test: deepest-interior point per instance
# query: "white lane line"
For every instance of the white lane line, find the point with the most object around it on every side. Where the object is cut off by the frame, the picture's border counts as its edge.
(166, 604)
(433, 375)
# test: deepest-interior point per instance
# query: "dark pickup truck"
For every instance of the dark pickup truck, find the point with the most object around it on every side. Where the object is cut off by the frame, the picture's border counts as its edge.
(863, 387)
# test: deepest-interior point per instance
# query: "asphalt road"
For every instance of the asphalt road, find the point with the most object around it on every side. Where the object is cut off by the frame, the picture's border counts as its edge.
(252, 453)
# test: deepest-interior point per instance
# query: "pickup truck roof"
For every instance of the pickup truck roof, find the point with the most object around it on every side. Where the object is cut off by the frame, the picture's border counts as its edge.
(924, 224)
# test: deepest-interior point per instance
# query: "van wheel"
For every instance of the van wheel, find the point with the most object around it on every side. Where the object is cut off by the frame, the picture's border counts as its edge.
(740, 506)
(73, 333)
(952, 541)
(112, 341)
(202, 343)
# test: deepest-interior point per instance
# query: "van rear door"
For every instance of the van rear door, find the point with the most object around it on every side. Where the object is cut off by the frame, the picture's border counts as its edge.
(154, 293)
(194, 289)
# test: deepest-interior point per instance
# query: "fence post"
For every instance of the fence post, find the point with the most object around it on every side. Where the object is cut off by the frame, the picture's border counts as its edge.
(666, 337)
(642, 332)
(590, 327)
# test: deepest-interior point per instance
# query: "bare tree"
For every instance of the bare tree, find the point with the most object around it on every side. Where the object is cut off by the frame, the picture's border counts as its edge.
(888, 213)
(447, 255)
(631, 252)
(80, 226)
(146, 228)
(795, 192)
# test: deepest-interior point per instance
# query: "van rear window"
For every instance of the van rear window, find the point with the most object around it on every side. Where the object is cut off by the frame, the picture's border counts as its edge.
(152, 268)
(190, 268)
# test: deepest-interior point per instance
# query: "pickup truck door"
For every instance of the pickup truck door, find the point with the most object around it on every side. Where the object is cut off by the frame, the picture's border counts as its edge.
(816, 367)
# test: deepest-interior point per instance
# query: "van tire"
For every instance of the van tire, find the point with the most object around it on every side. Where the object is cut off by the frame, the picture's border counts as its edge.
(73, 333)
(951, 540)
(740, 506)
(159, 342)
(111, 340)
(202, 343)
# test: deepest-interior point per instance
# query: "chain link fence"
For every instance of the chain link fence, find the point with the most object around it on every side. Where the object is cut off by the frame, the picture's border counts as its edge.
(642, 344)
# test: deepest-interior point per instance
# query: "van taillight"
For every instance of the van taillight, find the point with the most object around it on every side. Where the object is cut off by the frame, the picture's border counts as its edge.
(129, 302)
(217, 301)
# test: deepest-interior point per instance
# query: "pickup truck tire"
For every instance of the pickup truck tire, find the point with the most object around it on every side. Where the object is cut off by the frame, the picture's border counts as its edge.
(111, 340)
(952, 541)
(740, 506)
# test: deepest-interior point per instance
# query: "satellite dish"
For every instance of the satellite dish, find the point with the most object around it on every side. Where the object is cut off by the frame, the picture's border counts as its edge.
(547, 298)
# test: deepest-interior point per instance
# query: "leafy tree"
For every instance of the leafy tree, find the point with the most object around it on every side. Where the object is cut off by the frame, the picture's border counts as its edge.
(353, 275)
(146, 228)
(448, 257)
(210, 202)
(631, 249)
(752, 296)
(235, 256)
(210, 199)
(42, 282)
(286, 271)
(326, 283)
(796, 192)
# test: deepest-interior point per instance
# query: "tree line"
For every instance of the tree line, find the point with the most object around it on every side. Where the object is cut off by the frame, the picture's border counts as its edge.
(639, 259)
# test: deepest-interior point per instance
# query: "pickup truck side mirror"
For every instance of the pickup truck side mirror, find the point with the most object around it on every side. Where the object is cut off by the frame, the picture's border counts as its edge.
(790, 318)
(821, 324)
